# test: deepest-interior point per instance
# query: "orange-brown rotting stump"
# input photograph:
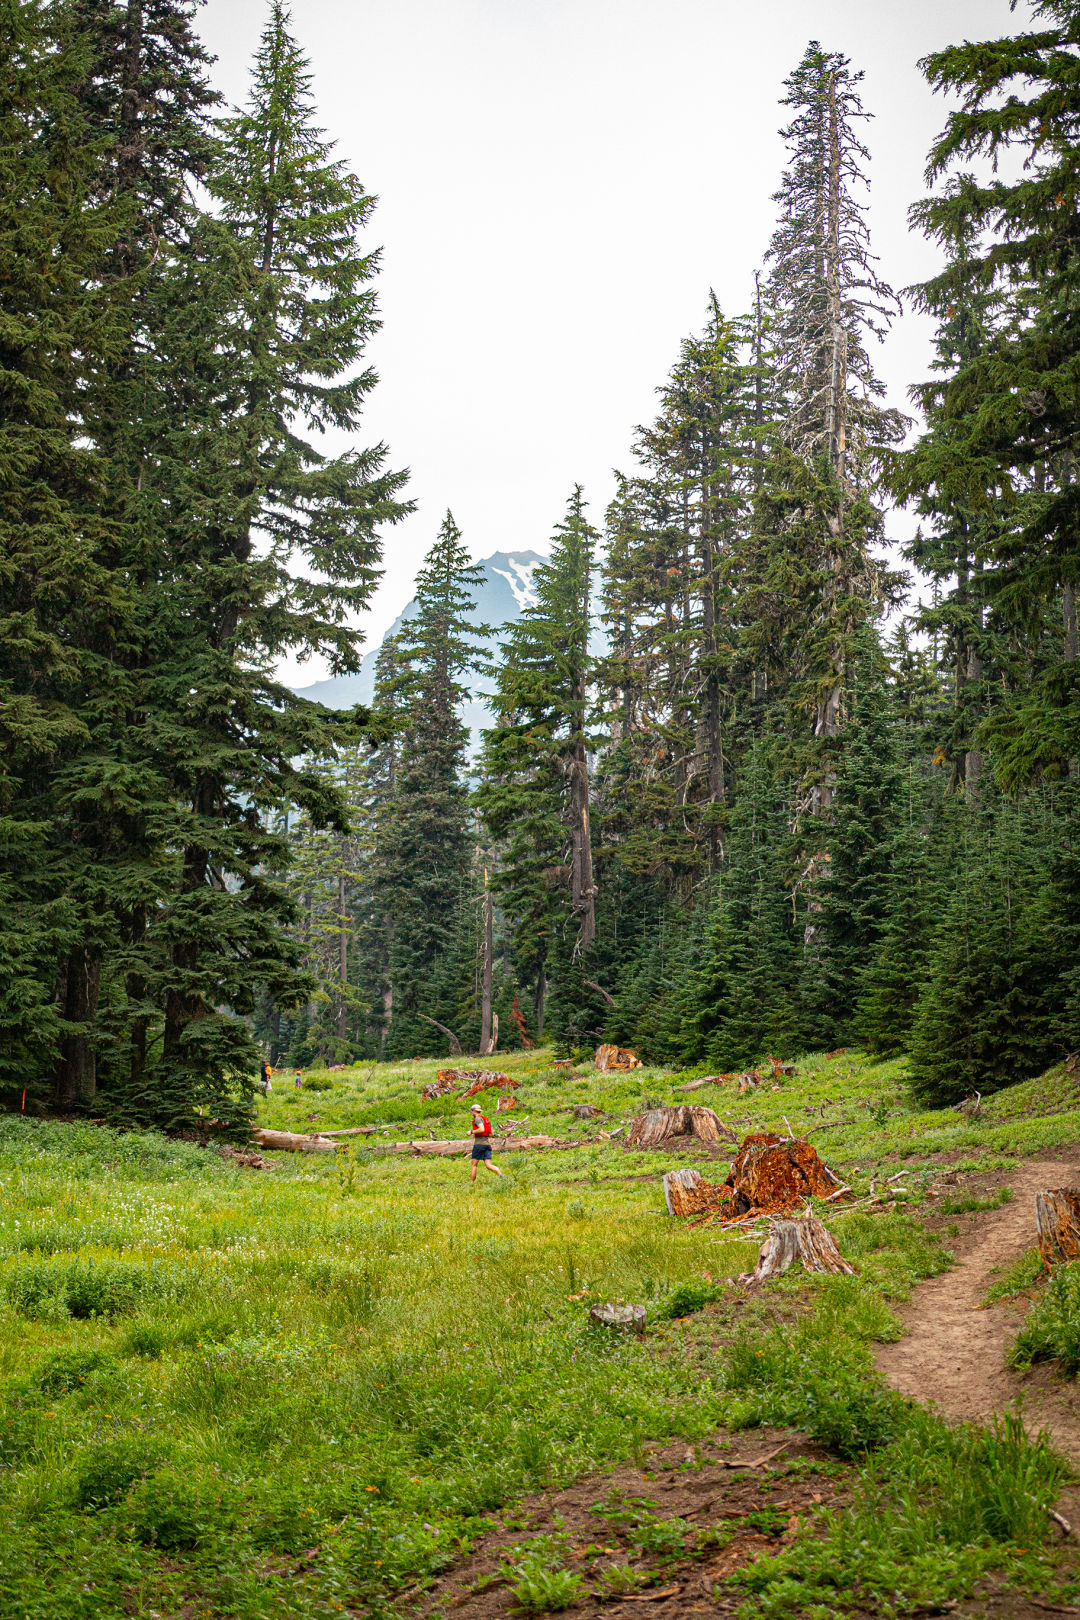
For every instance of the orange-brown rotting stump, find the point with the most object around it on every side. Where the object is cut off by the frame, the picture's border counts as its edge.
(771, 1175)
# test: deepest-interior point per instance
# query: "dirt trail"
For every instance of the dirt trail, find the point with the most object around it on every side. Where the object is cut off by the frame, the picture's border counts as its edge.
(953, 1353)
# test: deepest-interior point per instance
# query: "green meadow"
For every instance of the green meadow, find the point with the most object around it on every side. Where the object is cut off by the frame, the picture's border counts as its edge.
(304, 1391)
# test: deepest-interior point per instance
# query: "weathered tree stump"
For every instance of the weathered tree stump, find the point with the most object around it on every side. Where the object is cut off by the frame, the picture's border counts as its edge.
(680, 1119)
(621, 1318)
(806, 1240)
(679, 1187)
(777, 1173)
(616, 1057)
(1057, 1224)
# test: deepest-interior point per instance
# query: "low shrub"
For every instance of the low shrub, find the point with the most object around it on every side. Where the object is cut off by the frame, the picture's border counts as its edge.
(1052, 1329)
(687, 1298)
(109, 1471)
(70, 1369)
(51, 1290)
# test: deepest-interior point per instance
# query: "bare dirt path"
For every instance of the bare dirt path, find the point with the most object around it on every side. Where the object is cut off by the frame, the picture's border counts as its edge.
(953, 1353)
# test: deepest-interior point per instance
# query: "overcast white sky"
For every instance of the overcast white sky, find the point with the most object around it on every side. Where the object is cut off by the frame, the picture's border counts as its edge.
(560, 183)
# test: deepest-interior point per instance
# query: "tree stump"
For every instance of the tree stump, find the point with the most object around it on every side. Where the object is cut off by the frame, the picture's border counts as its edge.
(679, 1119)
(806, 1240)
(677, 1185)
(621, 1318)
(610, 1057)
(1057, 1223)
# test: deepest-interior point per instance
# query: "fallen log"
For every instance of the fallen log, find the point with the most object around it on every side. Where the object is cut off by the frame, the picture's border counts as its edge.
(289, 1142)
(1057, 1224)
(499, 1144)
(806, 1240)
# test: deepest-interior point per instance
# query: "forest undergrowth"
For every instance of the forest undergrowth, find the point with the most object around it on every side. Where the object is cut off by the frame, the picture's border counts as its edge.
(306, 1391)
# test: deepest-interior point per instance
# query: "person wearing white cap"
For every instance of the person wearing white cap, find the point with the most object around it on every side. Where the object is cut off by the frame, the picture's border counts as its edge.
(481, 1142)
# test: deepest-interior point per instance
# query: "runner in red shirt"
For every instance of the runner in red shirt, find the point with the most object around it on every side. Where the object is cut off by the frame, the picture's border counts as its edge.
(481, 1143)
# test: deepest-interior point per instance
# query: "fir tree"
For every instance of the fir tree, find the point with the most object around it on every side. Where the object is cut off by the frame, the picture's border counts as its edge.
(58, 594)
(535, 795)
(271, 543)
(827, 300)
(856, 890)
(424, 825)
(1013, 410)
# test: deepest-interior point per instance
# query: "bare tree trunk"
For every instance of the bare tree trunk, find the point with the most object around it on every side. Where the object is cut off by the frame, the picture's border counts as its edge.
(80, 986)
(1072, 644)
(582, 888)
(485, 983)
(343, 959)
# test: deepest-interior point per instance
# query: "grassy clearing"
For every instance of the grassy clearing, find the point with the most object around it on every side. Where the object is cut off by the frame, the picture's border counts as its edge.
(298, 1392)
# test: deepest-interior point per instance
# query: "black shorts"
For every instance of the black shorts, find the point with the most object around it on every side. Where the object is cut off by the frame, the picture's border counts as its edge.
(481, 1150)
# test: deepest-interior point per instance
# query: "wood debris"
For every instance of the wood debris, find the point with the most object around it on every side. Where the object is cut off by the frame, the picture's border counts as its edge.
(450, 1083)
(290, 1142)
(807, 1240)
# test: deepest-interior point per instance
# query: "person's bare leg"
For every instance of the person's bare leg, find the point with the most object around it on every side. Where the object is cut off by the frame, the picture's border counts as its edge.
(489, 1166)
(472, 1172)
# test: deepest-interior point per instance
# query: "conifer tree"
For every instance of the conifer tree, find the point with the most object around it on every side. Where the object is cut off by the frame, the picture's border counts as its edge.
(1013, 410)
(271, 544)
(58, 593)
(856, 890)
(424, 824)
(535, 796)
(827, 300)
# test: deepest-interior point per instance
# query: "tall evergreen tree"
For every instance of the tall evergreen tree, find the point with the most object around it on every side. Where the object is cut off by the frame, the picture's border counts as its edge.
(425, 852)
(60, 599)
(535, 795)
(1013, 410)
(271, 544)
(827, 301)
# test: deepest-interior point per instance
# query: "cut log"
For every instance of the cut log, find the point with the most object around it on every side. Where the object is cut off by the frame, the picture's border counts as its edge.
(289, 1142)
(1057, 1224)
(806, 1240)
(621, 1318)
(616, 1058)
(448, 1082)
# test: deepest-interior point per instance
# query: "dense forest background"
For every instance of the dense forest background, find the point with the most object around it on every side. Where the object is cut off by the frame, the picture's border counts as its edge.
(751, 785)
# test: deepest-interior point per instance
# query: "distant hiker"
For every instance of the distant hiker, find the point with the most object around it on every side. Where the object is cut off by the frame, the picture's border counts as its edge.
(481, 1146)
(298, 1082)
(265, 1082)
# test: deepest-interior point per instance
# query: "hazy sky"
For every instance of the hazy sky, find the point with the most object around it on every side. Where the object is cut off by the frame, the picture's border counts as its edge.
(560, 184)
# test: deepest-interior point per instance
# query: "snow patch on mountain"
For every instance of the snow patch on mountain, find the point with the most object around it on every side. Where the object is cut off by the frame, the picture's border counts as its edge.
(521, 581)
